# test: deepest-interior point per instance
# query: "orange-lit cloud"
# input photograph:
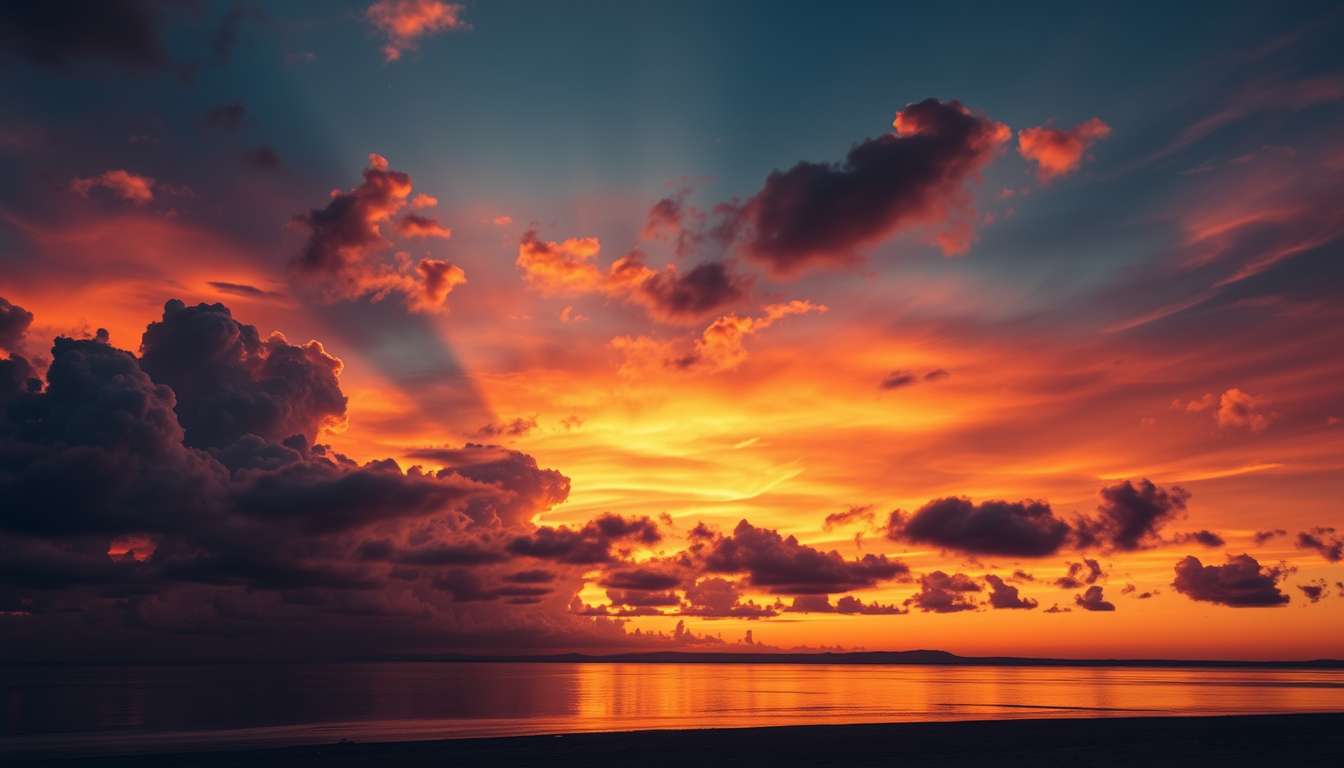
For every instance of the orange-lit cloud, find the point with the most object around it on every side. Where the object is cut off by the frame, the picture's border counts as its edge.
(1056, 151)
(405, 22)
(124, 184)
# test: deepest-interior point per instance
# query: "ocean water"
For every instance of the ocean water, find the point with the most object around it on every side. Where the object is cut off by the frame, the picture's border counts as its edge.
(124, 709)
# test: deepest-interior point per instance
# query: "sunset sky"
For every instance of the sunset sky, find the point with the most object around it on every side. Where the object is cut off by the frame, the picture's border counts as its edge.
(351, 329)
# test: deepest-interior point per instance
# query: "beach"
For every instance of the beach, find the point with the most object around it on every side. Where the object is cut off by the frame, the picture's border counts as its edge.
(1297, 740)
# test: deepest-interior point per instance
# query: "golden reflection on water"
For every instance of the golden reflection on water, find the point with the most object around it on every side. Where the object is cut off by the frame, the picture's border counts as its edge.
(109, 710)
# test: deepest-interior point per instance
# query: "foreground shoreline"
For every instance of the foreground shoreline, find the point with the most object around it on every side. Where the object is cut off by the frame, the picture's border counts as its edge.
(1232, 740)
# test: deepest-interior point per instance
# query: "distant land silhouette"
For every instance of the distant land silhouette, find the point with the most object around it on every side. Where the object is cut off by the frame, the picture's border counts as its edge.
(914, 657)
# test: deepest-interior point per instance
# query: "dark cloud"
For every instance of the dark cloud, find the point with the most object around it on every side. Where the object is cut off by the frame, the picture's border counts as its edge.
(1315, 590)
(523, 487)
(337, 262)
(1024, 529)
(1240, 583)
(1131, 514)
(641, 578)
(1204, 537)
(847, 605)
(226, 116)
(589, 545)
(1076, 578)
(59, 35)
(263, 157)
(1004, 595)
(1092, 600)
(14, 323)
(114, 523)
(937, 374)
(1261, 537)
(515, 428)
(784, 566)
(898, 379)
(1324, 541)
(231, 382)
(672, 218)
(941, 593)
(822, 214)
(715, 597)
(685, 295)
(643, 598)
(242, 289)
(862, 514)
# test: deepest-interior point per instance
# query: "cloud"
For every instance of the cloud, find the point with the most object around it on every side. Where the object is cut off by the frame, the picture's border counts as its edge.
(672, 218)
(1240, 583)
(941, 593)
(1260, 537)
(515, 428)
(898, 379)
(413, 225)
(522, 487)
(1315, 590)
(1131, 514)
(1324, 541)
(1026, 528)
(264, 158)
(405, 22)
(1204, 537)
(242, 289)
(1058, 152)
(1076, 579)
(1004, 595)
(1237, 409)
(230, 382)
(720, 346)
(123, 184)
(784, 566)
(337, 261)
(14, 323)
(852, 515)
(641, 579)
(822, 214)
(56, 35)
(592, 544)
(847, 605)
(226, 116)
(568, 267)
(423, 200)
(1092, 600)
(716, 597)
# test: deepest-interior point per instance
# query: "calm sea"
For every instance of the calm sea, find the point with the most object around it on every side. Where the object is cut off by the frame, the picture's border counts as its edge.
(112, 709)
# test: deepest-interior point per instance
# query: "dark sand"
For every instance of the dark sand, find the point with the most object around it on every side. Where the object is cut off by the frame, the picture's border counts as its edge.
(1265, 741)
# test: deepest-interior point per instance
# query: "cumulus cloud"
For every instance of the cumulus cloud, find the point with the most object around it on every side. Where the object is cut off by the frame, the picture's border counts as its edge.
(1080, 574)
(97, 460)
(1131, 515)
(230, 382)
(847, 605)
(1005, 595)
(823, 214)
(721, 345)
(1260, 537)
(1025, 528)
(569, 267)
(405, 22)
(1240, 410)
(588, 545)
(1093, 600)
(715, 597)
(14, 323)
(1315, 590)
(1240, 583)
(782, 565)
(941, 593)
(338, 261)
(1057, 151)
(1323, 540)
(128, 186)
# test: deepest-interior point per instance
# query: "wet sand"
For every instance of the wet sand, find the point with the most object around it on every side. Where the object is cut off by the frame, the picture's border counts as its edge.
(1276, 740)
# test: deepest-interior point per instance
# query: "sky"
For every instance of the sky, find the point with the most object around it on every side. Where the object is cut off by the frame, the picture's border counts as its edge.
(411, 327)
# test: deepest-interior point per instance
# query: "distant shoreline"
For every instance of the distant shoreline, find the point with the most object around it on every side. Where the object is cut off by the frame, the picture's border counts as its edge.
(1178, 742)
(913, 658)
(906, 658)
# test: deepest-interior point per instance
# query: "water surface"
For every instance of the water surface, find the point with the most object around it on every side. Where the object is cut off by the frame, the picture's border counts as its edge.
(105, 709)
